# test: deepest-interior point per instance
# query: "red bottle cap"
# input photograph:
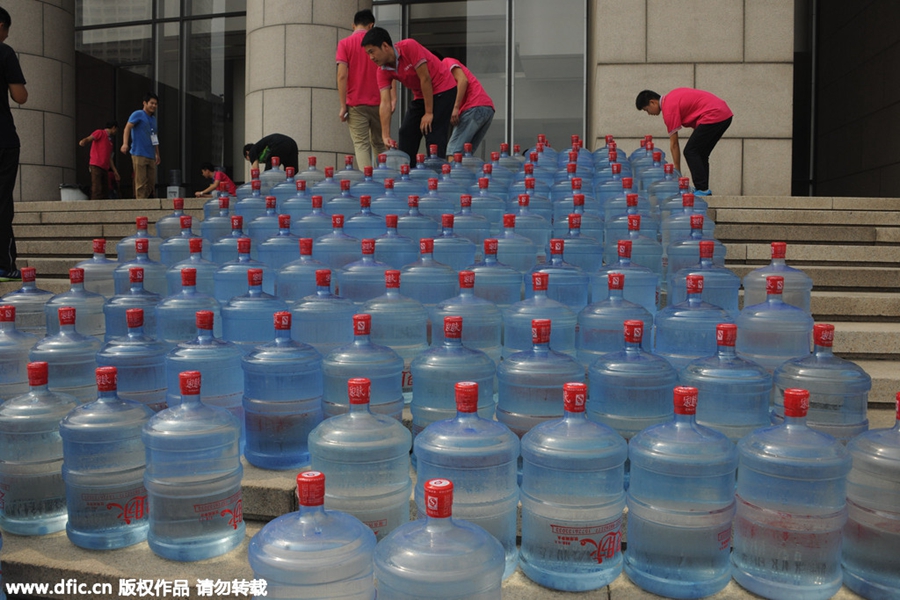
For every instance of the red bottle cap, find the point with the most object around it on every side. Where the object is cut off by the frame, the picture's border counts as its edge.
(608, 138)
(311, 488)
(189, 381)
(254, 173)
(243, 245)
(495, 156)
(270, 202)
(276, 162)
(106, 379)
(301, 185)
(358, 389)
(483, 183)
(684, 183)
(616, 281)
(897, 399)
(796, 402)
(457, 157)
(823, 334)
(189, 277)
(420, 158)
(412, 200)
(345, 185)
(631, 199)
(696, 221)
(186, 221)
(404, 169)
(432, 184)
(390, 221)
(323, 277)
(576, 183)
(685, 400)
(141, 245)
(578, 199)
(66, 315)
(694, 284)
(616, 168)
(529, 181)
(329, 172)
(136, 275)
(668, 168)
(634, 222)
(571, 167)
(634, 331)
(365, 201)
(445, 169)
(774, 284)
(426, 246)
(557, 246)
(284, 221)
(367, 171)
(368, 246)
(613, 157)
(204, 319)
(574, 221)
(627, 183)
(141, 222)
(348, 160)
(178, 203)
(574, 397)
(439, 498)
(509, 221)
(28, 274)
(306, 245)
(237, 222)
(490, 246)
(289, 171)
(465, 200)
(539, 281)
(623, 247)
(726, 334)
(779, 249)
(447, 221)
(706, 248)
(7, 313)
(311, 161)
(540, 331)
(254, 277)
(657, 156)
(382, 158)
(316, 201)
(223, 202)
(76, 275)
(256, 184)
(453, 327)
(467, 147)
(37, 373)
(392, 279)
(362, 324)
(523, 199)
(100, 246)
(504, 147)
(529, 167)
(687, 199)
(337, 221)
(134, 317)
(466, 280)
(282, 320)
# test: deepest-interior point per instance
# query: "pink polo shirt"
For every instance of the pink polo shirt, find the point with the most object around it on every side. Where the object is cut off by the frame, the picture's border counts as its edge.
(409, 55)
(687, 107)
(475, 94)
(101, 149)
(362, 87)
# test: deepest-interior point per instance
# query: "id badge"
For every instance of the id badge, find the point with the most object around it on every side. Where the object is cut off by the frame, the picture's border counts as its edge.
(154, 139)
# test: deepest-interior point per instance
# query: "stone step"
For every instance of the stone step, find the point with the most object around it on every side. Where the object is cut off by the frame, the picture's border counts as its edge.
(866, 340)
(844, 234)
(113, 232)
(830, 278)
(805, 203)
(855, 306)
(781, 216)
(803, 254)
(104, 206)
(77, 249)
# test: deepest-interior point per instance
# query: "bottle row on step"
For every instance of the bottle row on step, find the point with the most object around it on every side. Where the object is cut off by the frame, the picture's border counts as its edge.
(113, 474)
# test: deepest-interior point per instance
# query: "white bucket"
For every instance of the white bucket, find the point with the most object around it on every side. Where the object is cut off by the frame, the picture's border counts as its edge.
(70, 193)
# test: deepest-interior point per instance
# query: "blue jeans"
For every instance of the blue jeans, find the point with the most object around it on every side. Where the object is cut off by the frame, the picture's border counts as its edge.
(473, 126)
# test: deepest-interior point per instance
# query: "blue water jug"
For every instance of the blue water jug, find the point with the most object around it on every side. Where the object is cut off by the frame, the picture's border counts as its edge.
(70, 357)
(427, 280)
(103, 468)
(720, 285)
(600, 324)
(169, 226)
(14, 348)
(365, 223)
(323, 320)
(205, 270)
(98, 270)
(89, 305)
(474, 227)
(299, 204)
(641, 284)
(154, 272)
(231, 278)
(136, 297)
(263, 227)
(572, 499)
(315, 224)
(29, 301)
(282, 399)
(336, 249)
(125, 249)
(178, 247)
(515, 250)
(797, 284)
(567, 284)
(246, 319)
(394, 249)
(517, 327)
(297, 279)
(415, 225)
(281, 247)
(176, 315)
(455, 251)
(484, 321)
(496, 282)
(225, 248)
(363, 279)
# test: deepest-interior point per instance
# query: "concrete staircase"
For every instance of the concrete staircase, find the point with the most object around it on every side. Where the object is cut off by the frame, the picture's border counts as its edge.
(850, 247)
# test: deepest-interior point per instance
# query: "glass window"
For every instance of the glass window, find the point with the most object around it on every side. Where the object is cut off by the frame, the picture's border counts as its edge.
(213, 7)
(120, 46)
(104, 12)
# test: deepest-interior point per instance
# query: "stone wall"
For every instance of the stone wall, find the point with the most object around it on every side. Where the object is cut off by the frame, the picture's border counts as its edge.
(741, 50)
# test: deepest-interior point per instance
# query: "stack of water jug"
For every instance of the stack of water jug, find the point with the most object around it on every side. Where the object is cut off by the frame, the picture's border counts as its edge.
(513, 305)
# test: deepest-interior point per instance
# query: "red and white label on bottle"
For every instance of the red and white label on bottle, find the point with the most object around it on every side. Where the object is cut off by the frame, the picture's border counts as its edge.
(311, 488)
(453, 327)
(774, 284)
(466, 280)
(126, 506)
(466, 396)
(823, 334)
(368, 246)
(136, 274)
(243, 245)
(306, 245)
(557, 246)
(282, 320)
(358, 390)
(574, 397)
(141, 222)
(365, 201)
(28, 274)
(186, 221)
(624, 248)
(779, 249)
(634, 331)
(301, 185)
(323, 277)
(7, 313)
(76, 275)
(539, 281)
(231, 508)
(602, 541)
(392, 279)
(270, 202)
(284, 221)
(329, 172)
(362, 324)
(685, 400)
(99, 246)
(407, 379)
(438, 498)
(616, 281)
(490, 246)
(540, 331)
(426, 245)
(289, 172)
(141, 245)
(256, 185)
(337, 221)
(345, 185)
(66, 315)
(726, 334)
(254, 277)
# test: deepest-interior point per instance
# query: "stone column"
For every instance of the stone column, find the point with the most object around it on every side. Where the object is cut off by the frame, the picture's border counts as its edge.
(291, 74)
(43, 35)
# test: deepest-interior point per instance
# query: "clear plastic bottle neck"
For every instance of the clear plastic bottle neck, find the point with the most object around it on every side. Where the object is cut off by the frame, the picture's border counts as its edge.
(188, 399)
(726, 351)
(136, 332)
(823, 351)
(204, 336)
(359, 409)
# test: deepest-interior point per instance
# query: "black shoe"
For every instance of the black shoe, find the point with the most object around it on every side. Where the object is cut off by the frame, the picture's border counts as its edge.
(10, 275)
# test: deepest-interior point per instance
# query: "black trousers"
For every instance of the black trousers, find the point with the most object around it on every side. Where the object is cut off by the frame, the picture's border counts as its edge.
(9, 168)
(410, 135)
(699, 147)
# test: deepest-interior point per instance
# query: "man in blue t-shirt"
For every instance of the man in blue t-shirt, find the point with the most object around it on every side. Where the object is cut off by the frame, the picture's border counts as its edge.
(12, 85)
(140, 136)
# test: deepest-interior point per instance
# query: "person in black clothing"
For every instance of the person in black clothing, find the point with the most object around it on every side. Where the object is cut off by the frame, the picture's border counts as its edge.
(274, 144)
(11, 78)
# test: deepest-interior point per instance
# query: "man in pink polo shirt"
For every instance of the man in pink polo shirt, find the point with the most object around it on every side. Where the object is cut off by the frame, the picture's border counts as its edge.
(433, 88)
(100, 164)
(705, 113)
(358, 91)
(473, 110)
